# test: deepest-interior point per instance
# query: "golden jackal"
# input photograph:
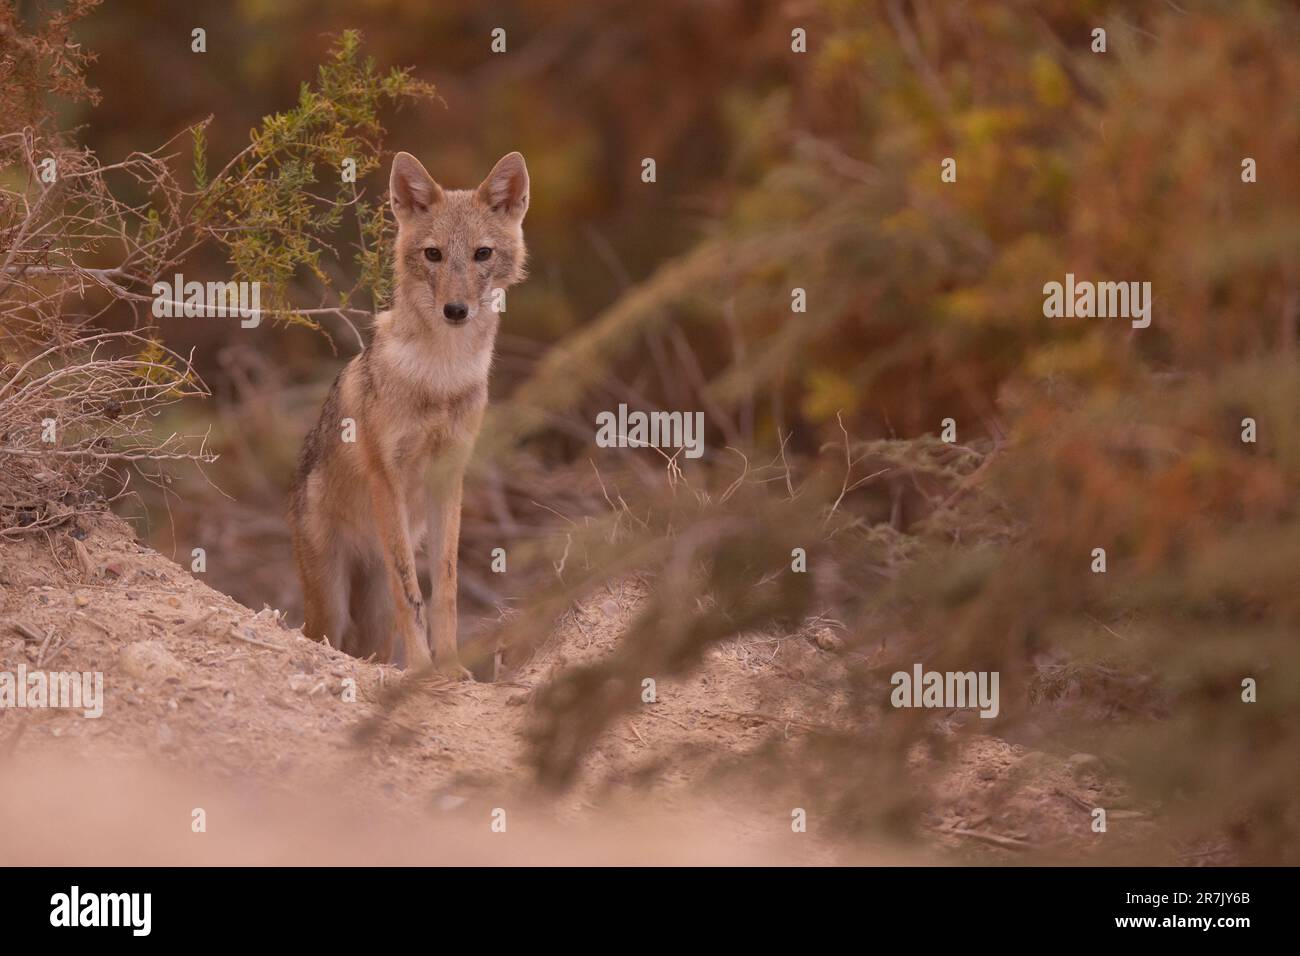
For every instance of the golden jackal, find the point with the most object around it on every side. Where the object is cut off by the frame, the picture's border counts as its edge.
(382, 470)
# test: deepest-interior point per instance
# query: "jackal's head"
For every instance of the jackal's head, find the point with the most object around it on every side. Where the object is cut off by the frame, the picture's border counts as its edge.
(456, 246)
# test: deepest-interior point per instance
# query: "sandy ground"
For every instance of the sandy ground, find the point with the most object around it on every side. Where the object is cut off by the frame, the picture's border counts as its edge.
(210, 707)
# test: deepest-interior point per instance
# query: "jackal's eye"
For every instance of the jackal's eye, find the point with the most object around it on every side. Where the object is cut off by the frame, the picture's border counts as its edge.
(482, 254)
(433, 254)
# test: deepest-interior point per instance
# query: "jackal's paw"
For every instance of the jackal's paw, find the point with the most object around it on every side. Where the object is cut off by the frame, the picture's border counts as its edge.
(454, 670)
(422, 675)
(422, 667)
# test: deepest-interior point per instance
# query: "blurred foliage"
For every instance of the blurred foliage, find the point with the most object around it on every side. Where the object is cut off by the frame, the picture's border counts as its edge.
(925, 302)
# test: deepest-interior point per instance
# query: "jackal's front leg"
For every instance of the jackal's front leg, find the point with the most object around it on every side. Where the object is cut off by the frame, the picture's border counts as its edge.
(399, 563)
(443, 545)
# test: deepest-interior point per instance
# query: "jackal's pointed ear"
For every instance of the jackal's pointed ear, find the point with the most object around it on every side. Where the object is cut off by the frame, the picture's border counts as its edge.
(411, 188)
(505, 190)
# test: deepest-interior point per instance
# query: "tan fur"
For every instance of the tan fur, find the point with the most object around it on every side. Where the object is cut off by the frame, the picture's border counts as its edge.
(360, 510)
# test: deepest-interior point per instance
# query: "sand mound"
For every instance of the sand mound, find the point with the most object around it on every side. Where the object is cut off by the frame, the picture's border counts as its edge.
(285, 750)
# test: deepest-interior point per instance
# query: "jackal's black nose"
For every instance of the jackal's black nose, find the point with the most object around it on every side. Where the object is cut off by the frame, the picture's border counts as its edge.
(455, 312)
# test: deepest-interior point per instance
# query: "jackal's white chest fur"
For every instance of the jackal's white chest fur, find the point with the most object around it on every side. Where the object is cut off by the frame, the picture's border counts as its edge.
(447, 364)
